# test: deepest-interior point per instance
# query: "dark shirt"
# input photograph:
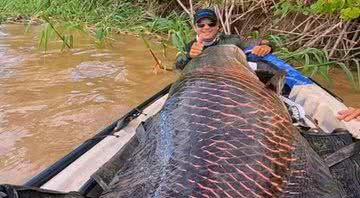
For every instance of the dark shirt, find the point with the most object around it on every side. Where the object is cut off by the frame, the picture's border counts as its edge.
(182, 60)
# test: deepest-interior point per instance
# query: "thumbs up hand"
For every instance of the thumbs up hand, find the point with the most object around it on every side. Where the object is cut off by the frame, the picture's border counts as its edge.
(196, 48)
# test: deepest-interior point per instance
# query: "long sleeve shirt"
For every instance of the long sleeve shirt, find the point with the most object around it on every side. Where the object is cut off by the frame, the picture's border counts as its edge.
(182, 60)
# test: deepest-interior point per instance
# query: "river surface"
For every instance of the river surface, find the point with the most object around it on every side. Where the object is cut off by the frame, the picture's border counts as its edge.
(51, 102)
(341, 87)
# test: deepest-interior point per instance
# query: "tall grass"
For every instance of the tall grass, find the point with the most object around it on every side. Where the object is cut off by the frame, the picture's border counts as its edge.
(88, 11)
(19, 7)
(175, 26)
(313, 61)
(97, 16)
(100, 17)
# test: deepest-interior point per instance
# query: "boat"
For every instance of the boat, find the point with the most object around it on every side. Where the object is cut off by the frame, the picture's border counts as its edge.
(313, 109)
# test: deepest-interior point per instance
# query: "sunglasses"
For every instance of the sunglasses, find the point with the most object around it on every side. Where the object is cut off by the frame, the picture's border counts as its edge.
(201, 25)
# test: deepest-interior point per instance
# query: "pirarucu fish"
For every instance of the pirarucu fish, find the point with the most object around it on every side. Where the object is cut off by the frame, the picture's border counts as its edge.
(222, 133)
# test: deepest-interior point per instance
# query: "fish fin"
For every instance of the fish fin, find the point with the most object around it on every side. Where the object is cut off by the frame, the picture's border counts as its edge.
(276, 83)
(141, 132)
(145, 127)
(119, 125)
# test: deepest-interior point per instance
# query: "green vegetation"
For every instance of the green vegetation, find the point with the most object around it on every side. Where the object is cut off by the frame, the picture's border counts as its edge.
(313, 61)
(87, 11)
(98, 17)
(345, 9)
(176, 26)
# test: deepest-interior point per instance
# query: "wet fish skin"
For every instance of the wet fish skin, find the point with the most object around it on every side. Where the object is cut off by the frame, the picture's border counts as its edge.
(222, 133)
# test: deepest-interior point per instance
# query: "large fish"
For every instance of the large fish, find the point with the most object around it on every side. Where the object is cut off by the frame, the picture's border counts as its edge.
(222, 133)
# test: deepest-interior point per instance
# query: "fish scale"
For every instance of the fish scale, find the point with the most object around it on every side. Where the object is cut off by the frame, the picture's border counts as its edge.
(222, 133)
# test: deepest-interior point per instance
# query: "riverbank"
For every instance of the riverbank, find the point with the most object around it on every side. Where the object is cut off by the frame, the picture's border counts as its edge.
(98, 18)
(303, 32)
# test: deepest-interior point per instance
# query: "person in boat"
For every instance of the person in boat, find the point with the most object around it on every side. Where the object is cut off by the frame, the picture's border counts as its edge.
(349, 114)
(208, 34)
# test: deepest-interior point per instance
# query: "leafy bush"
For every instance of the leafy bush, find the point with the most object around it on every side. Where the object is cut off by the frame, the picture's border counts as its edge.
(347, 9)
(312, 61)
(176, 26)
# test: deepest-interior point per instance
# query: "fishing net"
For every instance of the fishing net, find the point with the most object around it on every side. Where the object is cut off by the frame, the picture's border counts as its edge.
(342, 156)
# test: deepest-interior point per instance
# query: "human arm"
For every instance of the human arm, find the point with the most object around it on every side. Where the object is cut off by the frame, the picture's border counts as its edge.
(192, 50)
(262, 47)
(349, 114)
(183, 59)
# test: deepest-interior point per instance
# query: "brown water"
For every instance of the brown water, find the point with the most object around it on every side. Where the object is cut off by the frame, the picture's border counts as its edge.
(51, 102)
(341, 87)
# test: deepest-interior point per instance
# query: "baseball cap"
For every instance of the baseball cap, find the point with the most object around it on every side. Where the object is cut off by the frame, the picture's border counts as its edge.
(205, 13)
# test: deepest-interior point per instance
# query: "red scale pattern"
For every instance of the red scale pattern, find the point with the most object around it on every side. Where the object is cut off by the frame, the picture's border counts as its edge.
(221, 133)
(230, 148)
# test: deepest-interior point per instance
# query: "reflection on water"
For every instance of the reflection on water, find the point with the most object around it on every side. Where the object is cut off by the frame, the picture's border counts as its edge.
(51, 102)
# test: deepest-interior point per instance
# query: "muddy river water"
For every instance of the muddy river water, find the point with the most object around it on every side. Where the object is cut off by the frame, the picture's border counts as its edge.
(52, 101)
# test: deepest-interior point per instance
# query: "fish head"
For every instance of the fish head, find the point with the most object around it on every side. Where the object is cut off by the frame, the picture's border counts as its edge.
(213, 59)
